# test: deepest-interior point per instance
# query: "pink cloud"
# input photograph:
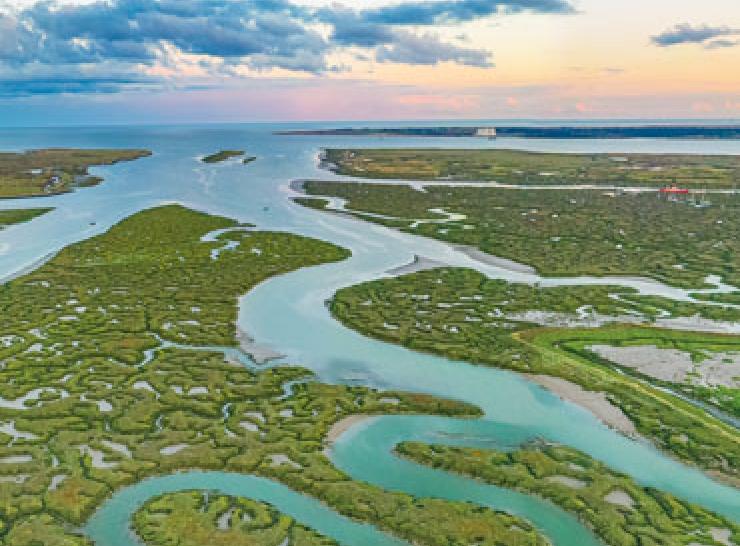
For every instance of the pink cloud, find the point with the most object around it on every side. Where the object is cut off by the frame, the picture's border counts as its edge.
(448, 103)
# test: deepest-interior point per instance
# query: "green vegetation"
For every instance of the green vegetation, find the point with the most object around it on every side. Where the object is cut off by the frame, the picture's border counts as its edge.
(55, 170)
(729, 297)
(10, 217)
(517, 167)
(223, 155)
(312, 202)
(192, 518)
(621, 512)
(564, 232)
(196, 518)
(698, 348)
(460, 314)
(108, 378)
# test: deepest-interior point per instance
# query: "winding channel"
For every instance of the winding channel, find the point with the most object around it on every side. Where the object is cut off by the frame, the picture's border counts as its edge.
(111, 525)
(288, 314)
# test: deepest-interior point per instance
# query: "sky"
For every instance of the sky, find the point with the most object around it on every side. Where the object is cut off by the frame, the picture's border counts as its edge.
(179, 61)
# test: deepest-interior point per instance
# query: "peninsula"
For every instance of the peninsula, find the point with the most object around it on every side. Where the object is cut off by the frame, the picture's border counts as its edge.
(55, 170)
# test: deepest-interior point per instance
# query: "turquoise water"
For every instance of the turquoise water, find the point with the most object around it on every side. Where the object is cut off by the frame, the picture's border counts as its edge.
(274, 311)
(366, 454)
(110, 525)
(288, 313)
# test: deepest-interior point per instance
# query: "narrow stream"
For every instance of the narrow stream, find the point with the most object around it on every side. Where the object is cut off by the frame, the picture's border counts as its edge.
(111, 524)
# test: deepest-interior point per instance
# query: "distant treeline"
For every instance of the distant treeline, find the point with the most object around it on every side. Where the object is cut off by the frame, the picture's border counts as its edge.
(641, 131)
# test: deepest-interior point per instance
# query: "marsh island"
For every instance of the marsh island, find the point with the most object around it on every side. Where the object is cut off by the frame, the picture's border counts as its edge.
(223, 155)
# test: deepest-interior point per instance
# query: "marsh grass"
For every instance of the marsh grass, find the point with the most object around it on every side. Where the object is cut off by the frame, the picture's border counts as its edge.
(619, 510)
(563, 232)
(11, 217)
(94, 396)
(520, 167)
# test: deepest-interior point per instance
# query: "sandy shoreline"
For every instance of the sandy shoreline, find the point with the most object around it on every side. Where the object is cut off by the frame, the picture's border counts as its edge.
(343, 425)
(489, 259)
(419, 263)
(595, 402)
(261, 354)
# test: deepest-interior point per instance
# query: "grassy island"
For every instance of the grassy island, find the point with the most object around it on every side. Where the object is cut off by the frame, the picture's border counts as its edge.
(114, 371)
(223, 155)
(518, 167)
(621, 512)
(12, 216)
(563, 232)
(55, 170)
(196, 518)
(460, 314)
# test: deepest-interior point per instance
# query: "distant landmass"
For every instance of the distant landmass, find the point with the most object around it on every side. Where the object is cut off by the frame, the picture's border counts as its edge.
(723, 132)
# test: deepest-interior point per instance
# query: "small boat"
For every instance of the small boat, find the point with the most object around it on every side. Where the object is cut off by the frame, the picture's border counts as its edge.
(674, 189)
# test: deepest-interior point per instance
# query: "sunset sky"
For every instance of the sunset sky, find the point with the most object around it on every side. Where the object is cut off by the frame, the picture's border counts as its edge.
(144, 61)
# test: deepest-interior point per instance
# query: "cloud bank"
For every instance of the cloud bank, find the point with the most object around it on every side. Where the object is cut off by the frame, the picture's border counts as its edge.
(434, 12)
(110, 45)
(710, 37)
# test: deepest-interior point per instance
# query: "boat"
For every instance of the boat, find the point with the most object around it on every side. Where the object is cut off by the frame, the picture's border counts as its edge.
(674, 189)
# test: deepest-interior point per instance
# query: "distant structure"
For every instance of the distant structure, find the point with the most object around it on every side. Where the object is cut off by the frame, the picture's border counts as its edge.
(54, 181)
(674, 190)
(485, 132)
(694, 198)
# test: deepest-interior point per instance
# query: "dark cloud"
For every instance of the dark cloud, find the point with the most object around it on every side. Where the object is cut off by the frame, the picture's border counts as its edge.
(427, 49)
(708, 36)
(58, 84)
(376, 28)
(431, 12)
(393, 45)
(722, 43)
(137, 31)
(350, 29)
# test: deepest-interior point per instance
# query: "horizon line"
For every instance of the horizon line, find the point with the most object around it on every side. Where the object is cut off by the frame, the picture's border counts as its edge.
(672, 121)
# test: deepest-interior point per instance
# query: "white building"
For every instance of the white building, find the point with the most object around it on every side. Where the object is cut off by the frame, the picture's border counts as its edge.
(486, 132)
